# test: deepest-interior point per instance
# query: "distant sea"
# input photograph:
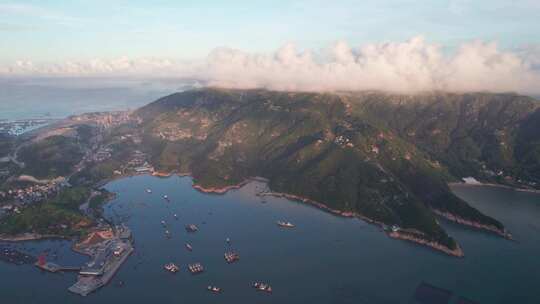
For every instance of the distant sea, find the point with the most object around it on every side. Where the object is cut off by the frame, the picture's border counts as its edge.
(60, 97)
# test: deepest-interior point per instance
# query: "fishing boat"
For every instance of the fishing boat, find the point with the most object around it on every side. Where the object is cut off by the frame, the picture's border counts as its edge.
(285, 224)
(214, 289)
(188, 247)
(196, 268)
(192, 228)
(231, 257)
(175, 216)
(165, 197)
(148, 190)
(171, 267)
(262, 287)
(163, 223)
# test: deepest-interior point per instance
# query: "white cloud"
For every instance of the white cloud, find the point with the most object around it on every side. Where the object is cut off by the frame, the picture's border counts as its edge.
(410, 66)
(414, 65)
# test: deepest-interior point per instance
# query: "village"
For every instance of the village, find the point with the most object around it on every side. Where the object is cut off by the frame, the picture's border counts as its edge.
(14, 200)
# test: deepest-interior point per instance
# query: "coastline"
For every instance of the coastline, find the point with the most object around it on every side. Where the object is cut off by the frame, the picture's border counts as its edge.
(457, 252)
(220, 190)
(463, 184)
(459, 220)
(30, 237)
(402, 235)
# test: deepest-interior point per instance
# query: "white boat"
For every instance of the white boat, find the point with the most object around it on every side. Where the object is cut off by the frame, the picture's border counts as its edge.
(285, 224)
(188, 247)
(148, 191)
(214, 289)
(262, 287)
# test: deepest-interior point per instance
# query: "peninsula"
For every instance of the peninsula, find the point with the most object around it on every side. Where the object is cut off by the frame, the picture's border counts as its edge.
(382, 157)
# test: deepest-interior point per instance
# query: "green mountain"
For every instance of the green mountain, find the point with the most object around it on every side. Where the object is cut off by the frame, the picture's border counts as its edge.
(385, 157)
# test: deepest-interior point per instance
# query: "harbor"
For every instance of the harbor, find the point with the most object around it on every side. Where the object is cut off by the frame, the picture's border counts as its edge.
(109, 249)
(287, 260)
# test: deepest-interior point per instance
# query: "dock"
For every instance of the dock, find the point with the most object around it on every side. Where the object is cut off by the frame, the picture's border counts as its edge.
(52, 267)
(88, 283)
(107, 258)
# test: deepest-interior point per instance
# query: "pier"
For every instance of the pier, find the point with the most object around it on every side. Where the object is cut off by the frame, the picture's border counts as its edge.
(52, 267)
(108, 255)
(86, 284)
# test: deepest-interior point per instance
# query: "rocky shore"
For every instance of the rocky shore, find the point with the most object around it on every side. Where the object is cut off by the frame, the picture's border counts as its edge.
(456, 219)
(219, 190)
(402, 235)
(29, 237)
(457, 252)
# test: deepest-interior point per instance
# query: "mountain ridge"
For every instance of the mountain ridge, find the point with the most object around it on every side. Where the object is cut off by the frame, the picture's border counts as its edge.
(351, 151)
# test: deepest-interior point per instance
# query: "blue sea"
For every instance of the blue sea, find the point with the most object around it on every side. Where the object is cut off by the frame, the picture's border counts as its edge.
(325, 259)
(54, 98)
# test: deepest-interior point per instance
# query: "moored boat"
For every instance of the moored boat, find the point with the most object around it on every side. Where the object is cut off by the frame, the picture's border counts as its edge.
(214, 289)
(191, 228)
(262, 287)
(231, 257)
(196, 268)
(188, 247)
(171, 267)
(285, 224)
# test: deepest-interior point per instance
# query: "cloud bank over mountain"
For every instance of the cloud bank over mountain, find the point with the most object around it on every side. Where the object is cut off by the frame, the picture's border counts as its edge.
(409, 66)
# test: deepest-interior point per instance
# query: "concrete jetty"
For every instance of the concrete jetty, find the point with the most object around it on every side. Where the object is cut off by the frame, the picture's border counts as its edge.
(107, 257)
(52, 267)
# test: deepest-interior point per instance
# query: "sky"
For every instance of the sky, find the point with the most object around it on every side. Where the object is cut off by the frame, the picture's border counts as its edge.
(280, 43)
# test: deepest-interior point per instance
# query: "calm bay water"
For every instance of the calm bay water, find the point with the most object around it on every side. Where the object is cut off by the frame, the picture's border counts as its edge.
(325, 259)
